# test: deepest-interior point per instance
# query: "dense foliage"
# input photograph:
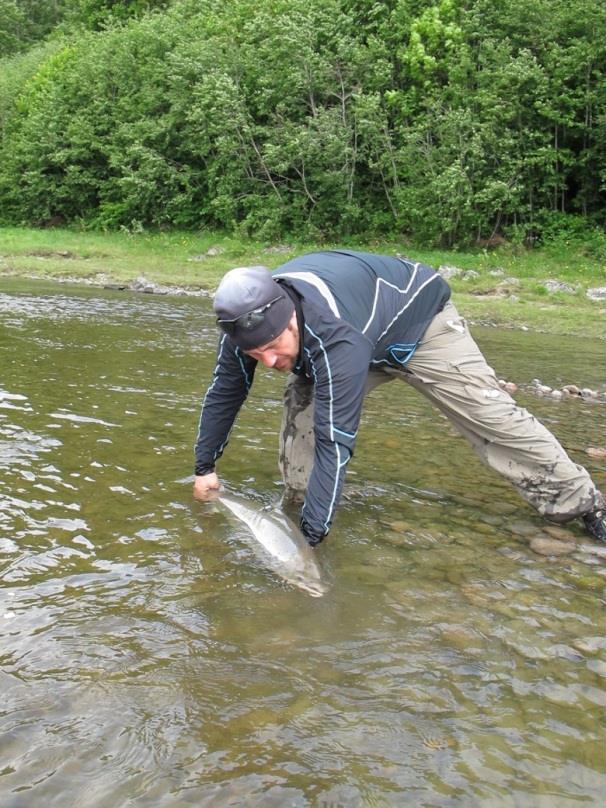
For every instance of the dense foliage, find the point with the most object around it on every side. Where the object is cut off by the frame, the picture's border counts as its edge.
(449, 120)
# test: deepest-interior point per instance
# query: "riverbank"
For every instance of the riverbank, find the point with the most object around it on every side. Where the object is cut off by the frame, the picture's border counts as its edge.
(541, 290)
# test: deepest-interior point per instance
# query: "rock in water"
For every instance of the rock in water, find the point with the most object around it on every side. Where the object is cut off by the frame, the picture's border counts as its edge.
(551, 547)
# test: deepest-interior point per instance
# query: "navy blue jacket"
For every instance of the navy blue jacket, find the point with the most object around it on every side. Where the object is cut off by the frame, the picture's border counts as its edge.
(360, 311)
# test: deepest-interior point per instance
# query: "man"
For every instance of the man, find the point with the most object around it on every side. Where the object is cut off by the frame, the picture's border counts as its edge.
(342, 322)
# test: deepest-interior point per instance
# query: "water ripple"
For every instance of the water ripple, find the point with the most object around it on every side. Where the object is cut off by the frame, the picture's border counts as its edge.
(148, 657)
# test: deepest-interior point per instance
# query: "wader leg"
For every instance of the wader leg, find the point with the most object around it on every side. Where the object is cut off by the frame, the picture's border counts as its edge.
(449, 368)
(296, 452)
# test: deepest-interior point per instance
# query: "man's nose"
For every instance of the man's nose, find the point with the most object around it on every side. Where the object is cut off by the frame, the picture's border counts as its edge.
(268, 358)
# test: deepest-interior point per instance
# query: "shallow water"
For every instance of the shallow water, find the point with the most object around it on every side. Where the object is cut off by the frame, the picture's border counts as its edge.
(149, 658)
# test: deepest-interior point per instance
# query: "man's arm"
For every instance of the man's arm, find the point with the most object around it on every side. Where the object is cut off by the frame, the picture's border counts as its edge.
(339, 358)
(232, 379)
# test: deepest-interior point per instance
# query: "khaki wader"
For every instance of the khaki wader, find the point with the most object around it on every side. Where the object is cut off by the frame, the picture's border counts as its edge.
(449, 369)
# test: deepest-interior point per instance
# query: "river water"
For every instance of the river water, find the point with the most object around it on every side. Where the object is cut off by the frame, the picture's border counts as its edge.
(148, 658)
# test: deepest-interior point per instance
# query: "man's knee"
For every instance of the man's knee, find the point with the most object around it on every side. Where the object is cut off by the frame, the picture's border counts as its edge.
(297, 437)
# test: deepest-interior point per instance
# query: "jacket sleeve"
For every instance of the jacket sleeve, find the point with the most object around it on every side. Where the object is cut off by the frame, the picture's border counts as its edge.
(339, 358)
(232, 379)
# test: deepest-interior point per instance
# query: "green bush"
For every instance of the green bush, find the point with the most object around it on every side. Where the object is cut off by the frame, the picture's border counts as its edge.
(449, 121)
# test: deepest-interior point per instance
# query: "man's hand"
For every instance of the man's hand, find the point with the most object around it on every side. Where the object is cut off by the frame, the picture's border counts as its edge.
(313, 539)
(206, 486)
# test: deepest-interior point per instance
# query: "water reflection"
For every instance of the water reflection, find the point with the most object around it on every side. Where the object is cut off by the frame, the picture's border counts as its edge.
(148, 657)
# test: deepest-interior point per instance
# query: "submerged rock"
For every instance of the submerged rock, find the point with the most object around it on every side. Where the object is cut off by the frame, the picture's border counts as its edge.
(559, 533)
(597, 666)
(590, 645)
(399, 526)
(551, 547)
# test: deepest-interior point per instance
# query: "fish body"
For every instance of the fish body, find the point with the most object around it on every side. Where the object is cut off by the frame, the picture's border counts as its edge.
(281, 543)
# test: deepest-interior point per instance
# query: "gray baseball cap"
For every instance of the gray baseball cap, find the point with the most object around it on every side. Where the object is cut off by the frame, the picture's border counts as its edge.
(251, 307)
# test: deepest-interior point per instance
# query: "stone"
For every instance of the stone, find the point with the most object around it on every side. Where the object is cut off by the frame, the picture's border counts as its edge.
(497, 273)
(587, 392)
(459, 637)
(141, 284)
(559, 533)
(590, 645)
(597, 293)
(551, 547)
(558, 286)
(470, 275)
(510, 387)
(399, 526)
(212, 251)
(448, 272)
(572, 389)
(509, 281)
(597, 666)
(397, 539)
(562, 651)
(280, 248)
(557, 394)
(597, 452)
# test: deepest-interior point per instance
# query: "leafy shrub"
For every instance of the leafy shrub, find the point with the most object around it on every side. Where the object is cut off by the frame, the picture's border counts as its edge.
(449, 121)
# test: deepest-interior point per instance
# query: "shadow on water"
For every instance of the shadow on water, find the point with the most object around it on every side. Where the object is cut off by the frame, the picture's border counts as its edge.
(149, 658)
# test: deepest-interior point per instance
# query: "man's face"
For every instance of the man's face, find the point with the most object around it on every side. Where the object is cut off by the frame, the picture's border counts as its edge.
(281, 353)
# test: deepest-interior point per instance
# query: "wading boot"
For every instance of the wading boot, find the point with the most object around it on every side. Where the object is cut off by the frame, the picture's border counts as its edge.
(595, 523)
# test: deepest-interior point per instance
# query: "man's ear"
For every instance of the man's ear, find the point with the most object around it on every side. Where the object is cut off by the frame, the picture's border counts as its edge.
(292, 325)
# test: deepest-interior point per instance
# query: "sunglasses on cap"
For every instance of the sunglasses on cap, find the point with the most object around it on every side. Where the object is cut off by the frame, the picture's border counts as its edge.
(247, 322)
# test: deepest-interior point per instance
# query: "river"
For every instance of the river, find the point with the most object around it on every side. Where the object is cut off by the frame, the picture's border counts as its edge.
(148, 657)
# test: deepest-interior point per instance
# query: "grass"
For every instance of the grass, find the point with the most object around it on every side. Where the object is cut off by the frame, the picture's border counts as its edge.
(181, 258)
